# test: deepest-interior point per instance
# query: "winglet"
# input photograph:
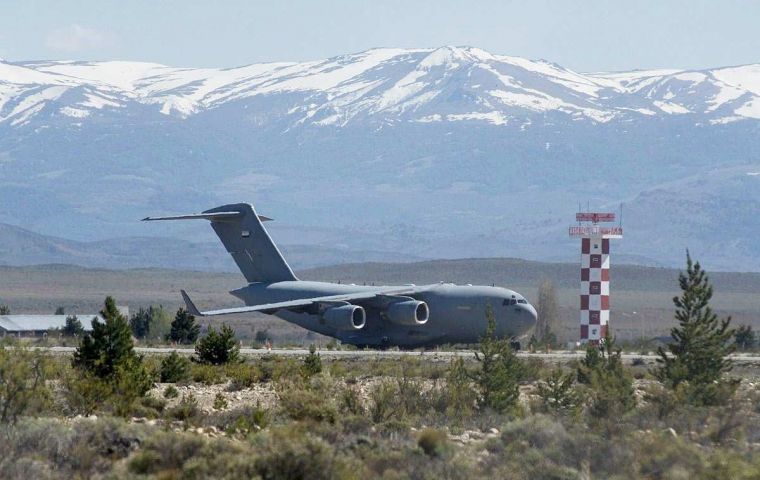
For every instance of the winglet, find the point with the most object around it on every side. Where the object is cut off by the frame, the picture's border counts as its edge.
(190, 305)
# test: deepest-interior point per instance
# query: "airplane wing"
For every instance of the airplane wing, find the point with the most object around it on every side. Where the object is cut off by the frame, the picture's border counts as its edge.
(301, 302)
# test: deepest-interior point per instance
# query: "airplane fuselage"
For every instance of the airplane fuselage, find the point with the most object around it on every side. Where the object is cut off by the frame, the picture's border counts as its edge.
(457, 313)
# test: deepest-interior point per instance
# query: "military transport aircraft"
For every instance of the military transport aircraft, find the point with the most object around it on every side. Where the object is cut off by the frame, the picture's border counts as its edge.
(406, 316)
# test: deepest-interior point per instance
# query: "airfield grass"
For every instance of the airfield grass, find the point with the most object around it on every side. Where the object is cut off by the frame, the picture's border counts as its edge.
(641, 296)
(270, 418)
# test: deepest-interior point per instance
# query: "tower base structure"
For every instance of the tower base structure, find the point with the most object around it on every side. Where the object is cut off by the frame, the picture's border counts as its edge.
(595, 274)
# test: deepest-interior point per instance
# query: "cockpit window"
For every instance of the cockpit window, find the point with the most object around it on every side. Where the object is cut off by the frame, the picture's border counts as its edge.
(507, 301)
(522, 300)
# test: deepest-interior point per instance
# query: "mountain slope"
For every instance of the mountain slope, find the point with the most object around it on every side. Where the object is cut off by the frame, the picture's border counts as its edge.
(447, 152)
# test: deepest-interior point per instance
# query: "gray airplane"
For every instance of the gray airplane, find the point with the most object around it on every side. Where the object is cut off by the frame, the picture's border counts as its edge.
(407, 316)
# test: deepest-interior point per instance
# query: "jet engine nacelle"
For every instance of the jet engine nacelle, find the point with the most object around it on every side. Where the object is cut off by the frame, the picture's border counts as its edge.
(408, 312)
(345, 317)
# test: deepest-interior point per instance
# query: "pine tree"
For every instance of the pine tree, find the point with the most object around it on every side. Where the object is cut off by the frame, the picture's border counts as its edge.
(312, 364)
(500, 369)
(140, 323)
(174, 368)
(73, 327)
(745, 338)
(609, 384)
(696, 360)
(5, 309)
(558, 394)
(108, 345)
(217, 348)
(184, 330)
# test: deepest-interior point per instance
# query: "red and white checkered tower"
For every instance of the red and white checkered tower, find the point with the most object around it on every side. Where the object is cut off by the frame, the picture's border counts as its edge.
(595, 272)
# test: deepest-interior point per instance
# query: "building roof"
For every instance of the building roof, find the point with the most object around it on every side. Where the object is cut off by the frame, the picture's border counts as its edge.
(37, 323)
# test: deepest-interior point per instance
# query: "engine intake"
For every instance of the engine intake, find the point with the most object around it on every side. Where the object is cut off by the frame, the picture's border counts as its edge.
(345, 317)
(408, 312)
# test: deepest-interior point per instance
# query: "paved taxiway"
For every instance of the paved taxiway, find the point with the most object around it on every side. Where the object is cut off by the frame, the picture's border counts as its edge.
(433, 355)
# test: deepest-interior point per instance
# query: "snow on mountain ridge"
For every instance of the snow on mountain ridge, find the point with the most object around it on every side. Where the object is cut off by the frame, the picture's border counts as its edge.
(441, 84)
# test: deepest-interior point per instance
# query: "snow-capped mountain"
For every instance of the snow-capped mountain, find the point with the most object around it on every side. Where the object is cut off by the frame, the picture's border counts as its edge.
(420, 85)
(451, 151)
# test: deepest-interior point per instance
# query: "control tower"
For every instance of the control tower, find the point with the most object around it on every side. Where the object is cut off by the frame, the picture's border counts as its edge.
(595, 272)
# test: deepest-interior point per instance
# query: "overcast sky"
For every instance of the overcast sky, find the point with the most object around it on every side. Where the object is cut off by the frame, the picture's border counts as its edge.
(585, 35)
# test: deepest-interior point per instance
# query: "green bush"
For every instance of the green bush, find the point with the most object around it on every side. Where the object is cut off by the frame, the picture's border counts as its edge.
(558, 394)
(220, 403)
(457, 398)
(206, 374)
(175, 368)
(243, 375)
(300, 403)
(22, 383)
(609, 383)
(218, 348)
(245, 420)
(171, 392)
(295, 454)
(186, 410)
(433, 442)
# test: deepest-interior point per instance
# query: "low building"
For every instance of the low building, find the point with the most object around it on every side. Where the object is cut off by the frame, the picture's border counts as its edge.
(29, 325)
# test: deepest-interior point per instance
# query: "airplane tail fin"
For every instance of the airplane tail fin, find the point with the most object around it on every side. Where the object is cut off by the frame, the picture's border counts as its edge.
(241, 231)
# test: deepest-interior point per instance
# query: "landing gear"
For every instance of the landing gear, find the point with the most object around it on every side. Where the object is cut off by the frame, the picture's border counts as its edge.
(515, 344)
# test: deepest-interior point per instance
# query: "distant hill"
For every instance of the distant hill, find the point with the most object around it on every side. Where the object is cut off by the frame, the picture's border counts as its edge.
(20, 246)
(516, 272)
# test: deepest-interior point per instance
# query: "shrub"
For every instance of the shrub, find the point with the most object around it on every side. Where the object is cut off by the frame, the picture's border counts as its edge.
(85, 393)
(307, 404)
(131, 382)
(218, 348)
(292, 454)
(558, 394)
(245, 420)
(175, 368)
(220, 403)
(433, 442)
(351, 402)
(171, 392)
(22, 383)
(243, 375)
(184, 330)
(187, 409)
(609, 382)
(457, 398)
(206, 374)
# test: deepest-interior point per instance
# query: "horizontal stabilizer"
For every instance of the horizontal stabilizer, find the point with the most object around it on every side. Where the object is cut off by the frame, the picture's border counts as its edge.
(214, 217)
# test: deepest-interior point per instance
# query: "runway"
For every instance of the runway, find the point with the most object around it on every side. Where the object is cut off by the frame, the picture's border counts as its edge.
(432, 355)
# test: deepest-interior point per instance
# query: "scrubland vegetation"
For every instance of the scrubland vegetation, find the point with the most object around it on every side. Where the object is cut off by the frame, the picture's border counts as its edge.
(108, 412)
